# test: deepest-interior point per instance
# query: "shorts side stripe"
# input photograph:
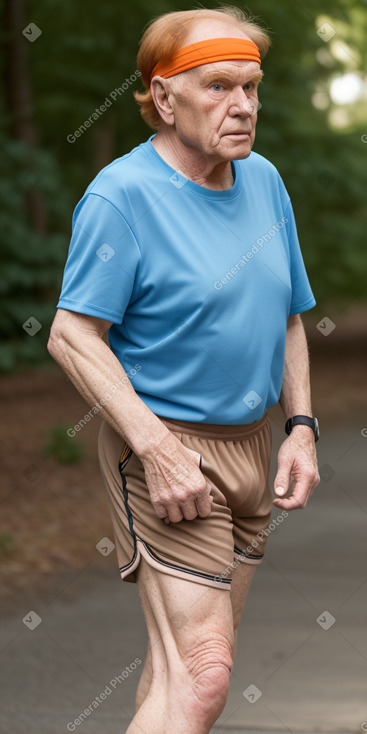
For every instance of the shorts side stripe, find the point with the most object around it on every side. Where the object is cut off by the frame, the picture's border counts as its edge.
(184, 568)
(253, 556)
(124, 459)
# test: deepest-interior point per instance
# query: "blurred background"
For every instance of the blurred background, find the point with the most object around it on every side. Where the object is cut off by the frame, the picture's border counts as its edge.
(67, 110)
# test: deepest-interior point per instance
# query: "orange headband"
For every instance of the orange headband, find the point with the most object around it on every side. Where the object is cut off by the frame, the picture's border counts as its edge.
(205, 52)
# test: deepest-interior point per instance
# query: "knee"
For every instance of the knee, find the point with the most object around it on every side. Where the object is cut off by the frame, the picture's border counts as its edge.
(209, 665)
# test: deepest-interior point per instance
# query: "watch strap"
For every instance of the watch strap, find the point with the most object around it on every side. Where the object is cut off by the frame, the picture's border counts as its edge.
(305, 420)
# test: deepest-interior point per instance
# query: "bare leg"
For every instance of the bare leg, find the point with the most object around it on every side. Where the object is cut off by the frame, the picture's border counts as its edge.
(241, 582)
(191, 638)
(145, 680)
(240, 586)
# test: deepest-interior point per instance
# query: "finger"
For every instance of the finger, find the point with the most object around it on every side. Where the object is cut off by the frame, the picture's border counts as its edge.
(288, 503)
(188, 509)
(168, 513)
(281, 483)
(174, 514)
(204, 504)
(160, 510)
(298, 498)
(282, 479)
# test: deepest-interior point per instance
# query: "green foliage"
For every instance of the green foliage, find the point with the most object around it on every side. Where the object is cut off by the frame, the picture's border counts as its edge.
(31, 263)
(324, 170)
(7, 544)
(85, 51)
(62, 447)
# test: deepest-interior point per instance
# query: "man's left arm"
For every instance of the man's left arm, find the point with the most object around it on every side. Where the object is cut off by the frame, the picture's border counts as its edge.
(297, 455)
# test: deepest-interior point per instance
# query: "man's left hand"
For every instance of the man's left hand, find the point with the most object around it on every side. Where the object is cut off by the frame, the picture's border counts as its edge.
(296, 460)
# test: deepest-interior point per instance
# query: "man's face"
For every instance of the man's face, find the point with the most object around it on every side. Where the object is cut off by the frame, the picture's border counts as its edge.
(215, 108)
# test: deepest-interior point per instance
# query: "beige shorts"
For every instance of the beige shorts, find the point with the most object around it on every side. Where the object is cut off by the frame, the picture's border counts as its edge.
(235, 460)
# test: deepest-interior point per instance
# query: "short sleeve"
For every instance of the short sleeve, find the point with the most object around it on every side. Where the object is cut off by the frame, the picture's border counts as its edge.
(101, 266)
(302, 295)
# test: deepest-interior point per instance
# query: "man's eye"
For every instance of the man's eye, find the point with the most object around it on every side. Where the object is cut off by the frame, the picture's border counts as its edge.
(249, 85)
(217, 87)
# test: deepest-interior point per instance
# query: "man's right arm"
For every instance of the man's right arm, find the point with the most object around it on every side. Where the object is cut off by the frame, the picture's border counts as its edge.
(76, 343)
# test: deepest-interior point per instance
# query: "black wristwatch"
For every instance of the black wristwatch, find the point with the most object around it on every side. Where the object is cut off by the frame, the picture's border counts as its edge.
(303, 420)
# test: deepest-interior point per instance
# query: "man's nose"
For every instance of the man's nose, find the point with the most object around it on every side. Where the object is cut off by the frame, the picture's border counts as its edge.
(241, 104)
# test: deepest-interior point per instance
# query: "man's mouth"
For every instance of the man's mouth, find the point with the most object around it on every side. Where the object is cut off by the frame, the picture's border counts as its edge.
(239, 133)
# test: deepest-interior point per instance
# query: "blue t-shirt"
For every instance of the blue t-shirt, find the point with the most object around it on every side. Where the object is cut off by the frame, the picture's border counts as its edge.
(198, 284)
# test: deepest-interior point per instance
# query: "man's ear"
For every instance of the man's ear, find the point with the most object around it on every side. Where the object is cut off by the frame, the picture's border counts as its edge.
(161, 95)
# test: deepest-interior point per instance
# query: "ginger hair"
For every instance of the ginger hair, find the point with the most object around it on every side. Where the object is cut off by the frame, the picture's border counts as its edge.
(166, 34)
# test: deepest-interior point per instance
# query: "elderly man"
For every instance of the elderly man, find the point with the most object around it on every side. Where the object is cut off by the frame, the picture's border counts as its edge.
(185, 252)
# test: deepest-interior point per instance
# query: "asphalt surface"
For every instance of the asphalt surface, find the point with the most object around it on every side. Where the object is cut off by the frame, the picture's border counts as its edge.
(301, 663)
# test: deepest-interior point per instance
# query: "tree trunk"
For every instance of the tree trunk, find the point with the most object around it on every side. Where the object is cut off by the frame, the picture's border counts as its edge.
(19, 100)
(104, 141)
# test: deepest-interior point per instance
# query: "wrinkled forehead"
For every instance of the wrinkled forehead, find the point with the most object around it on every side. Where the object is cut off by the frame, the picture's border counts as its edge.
(235, 70)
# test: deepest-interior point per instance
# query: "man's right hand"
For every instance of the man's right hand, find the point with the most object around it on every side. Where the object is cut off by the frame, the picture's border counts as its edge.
(178, 489)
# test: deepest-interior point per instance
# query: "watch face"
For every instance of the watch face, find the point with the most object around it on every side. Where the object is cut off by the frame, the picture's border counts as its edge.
(317, 430)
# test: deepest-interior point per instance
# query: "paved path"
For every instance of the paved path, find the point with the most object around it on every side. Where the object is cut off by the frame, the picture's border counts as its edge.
(300, 675)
